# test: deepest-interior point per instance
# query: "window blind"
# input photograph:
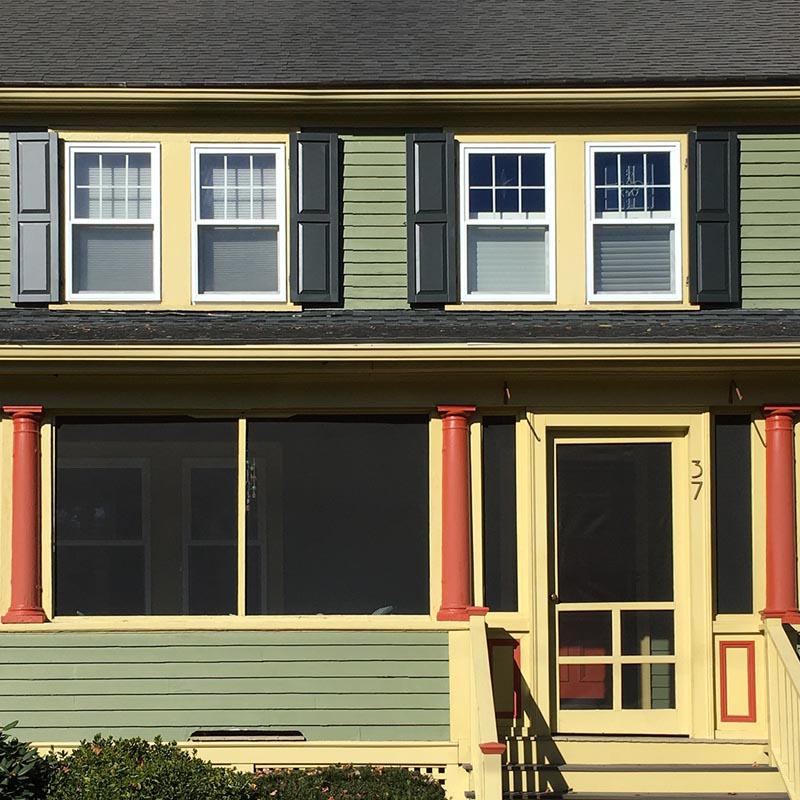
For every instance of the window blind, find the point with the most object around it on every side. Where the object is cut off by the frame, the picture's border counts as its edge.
(633, 258)
(107, 258)
(507, 260)
(238, 259)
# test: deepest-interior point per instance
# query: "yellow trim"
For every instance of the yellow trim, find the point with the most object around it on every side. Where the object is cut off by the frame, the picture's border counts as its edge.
(27, 98)
(316, 622)
(753, 353)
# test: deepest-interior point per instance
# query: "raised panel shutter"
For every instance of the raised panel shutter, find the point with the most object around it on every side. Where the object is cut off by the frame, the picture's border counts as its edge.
(314, 217)
(431, 201)
(715, 271)
(34, 217)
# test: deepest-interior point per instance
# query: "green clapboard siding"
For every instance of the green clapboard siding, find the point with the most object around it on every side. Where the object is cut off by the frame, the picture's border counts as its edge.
(374, 222)
(5, 226)
(331, 685)
(770, 209)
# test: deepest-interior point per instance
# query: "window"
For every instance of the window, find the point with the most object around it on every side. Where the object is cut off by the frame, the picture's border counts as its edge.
(634, 222)
(238, 223)
(148, 522)
(112, 222)
(507, 223)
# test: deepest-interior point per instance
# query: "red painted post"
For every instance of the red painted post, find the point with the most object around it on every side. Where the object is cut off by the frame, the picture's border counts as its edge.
(26, 568)
(456, 540)
(781, 527)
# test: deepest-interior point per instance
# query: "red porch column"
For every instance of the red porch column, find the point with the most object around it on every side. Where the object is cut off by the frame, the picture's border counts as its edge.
(26, 568)
(781, 528)
(456, 540)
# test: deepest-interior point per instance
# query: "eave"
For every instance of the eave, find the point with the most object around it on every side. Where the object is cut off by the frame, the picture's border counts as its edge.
(119, 98)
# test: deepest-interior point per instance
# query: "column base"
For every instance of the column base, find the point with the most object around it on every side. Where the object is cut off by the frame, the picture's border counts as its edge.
(790, 615)
(460, 613)
(22, 615)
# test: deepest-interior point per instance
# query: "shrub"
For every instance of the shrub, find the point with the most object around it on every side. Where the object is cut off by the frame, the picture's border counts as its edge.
(24, 774)
(133, 769)
(346, 783)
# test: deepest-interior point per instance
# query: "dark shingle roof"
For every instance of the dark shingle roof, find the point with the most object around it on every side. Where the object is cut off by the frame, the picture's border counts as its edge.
(34, 326)
(274, 43)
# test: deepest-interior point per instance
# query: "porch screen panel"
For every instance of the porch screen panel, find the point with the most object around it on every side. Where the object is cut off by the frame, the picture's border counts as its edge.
(733, 515)
(145, 516)
(499, 514)
(337, 515)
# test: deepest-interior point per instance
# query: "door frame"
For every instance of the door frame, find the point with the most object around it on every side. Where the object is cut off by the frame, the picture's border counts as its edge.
(689, 434)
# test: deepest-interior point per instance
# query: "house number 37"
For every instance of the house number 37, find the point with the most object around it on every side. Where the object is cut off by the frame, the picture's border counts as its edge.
(697, 477)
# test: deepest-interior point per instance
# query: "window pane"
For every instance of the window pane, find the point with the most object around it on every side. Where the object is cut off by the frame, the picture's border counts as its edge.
(87, 203)
(480, 200)
(339, 509)
(606, 200)
(658, 168)
(235, 259)
(480, 169)
(506, 170)
(212, 169)
(507, 259)
(614, 506)
(264, 204)
(112, 169)
(533, 169)
(238, 171)
(632, 166)
(633, 258)
(533, 200)
(499, 513)
(87, 169)
(632, 198)
(212, 203)
(145, 516)
(584, 633)
(139, 169)
(647, 633)
(264, 173)
(648, 686)
(507, 200)
(658, 200)
(112, 259)
(605, 169)
(585, 686)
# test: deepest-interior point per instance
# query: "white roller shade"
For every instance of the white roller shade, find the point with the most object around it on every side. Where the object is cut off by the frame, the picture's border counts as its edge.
(507, 259)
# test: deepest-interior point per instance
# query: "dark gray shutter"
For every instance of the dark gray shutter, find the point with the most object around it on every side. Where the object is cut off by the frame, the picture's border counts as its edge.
(34, 217)
(715, 272)
(431, 200)
(314, 217)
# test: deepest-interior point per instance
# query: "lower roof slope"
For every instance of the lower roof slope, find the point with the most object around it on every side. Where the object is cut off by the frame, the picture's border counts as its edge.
(41, 326)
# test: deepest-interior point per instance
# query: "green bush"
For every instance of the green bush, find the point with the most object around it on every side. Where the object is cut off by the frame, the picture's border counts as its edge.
(346, 783)
(133, 769)
(24, 774)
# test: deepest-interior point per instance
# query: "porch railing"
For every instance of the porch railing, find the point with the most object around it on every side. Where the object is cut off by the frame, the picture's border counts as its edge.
(783, 687)
(486, 751)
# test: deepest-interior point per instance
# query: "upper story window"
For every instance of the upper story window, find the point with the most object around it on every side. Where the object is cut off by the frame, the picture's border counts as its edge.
(634, 227)
(507, 223)
(112, 211)
(239, 223)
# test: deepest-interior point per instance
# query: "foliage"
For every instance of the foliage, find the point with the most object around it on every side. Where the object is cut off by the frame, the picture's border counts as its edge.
(346, 783)
(24, 774)
(133, 769)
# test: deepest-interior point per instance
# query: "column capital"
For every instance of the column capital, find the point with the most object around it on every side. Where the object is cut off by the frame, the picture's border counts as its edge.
(456, 411)
(24, 412)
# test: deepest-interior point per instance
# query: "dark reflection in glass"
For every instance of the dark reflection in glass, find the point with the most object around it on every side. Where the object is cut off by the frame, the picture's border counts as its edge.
(614, 504)
(480, 169)
(648, 686)
(647, 633)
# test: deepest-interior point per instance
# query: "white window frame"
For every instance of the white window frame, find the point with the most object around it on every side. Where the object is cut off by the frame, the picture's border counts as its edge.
(549, 221)
(675, 219)
(154, 150)
(279, 150)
